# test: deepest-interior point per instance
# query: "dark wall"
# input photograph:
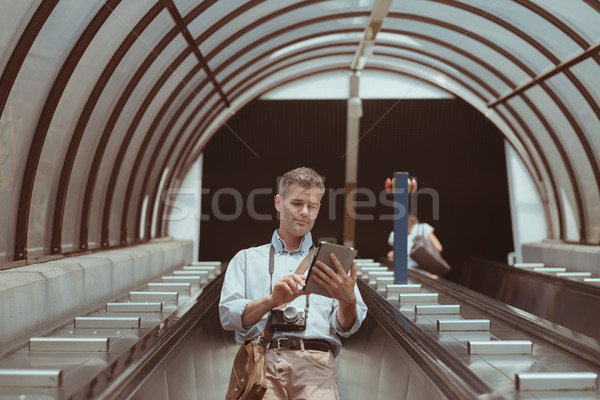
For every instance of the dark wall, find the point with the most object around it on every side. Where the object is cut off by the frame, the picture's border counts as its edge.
(458, 156)
(453, 151)
(258, 145)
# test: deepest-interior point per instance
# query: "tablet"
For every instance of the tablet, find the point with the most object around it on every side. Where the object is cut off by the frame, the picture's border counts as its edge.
(343, 253)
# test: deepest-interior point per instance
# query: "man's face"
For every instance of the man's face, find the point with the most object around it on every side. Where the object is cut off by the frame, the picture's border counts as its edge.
(298, 209)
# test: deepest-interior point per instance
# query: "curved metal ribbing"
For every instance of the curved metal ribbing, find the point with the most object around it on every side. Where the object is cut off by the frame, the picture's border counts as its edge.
(147, 138)
(172, 67)
(554, 137)
(509, 56)
(7, 81)
(222, 45)
(109, 129)
(84, 117)
(45, 119)
(221, 22)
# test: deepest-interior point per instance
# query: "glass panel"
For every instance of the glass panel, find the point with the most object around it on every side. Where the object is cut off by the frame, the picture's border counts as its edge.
(532, 24)
(9, 162)
(257, 36)
(527, 209)
(142, 130)
(571, 226)
(189, 119)
(551, 154)
(470, 23)
(240, 78)
(27, 98)
(137, 97)
(143, 219)
(187, 226)
(373, 85)
(582, 111)
(119, 80)
(580, 17)
(14, 18)
(544, 181)
(260, 58)
(82, 81)
(432, 76)
(475, 47)
(447, 65)
(587, 72)
(159, 198)
(121, 22)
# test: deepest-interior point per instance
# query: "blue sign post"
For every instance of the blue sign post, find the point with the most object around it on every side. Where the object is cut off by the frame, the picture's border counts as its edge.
(400, 227)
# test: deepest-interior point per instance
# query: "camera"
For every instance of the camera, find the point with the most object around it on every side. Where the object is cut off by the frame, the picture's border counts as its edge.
(289, 319)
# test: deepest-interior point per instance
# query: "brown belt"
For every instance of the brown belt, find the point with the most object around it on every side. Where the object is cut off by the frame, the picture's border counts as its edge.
(293, 343)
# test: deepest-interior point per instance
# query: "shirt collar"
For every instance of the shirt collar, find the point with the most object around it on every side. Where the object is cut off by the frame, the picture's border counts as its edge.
(279, 244)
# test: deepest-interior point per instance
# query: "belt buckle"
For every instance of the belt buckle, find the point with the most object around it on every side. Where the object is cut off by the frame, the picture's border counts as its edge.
(279, 339)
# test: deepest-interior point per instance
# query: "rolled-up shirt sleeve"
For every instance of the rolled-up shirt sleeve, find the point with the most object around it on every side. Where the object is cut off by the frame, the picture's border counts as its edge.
(361, 313)
(233, 301)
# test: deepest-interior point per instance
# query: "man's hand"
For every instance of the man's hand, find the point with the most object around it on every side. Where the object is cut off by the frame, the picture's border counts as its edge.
(286, 290)
(341, 287)
(339, 284)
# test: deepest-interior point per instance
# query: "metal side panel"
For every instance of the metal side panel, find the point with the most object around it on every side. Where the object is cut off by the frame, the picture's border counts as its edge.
(30, 378)
(57, 344)
(134, 307)
(185, 288)
(499, 347)
(153, 296)
(107, 322)
(556, 381)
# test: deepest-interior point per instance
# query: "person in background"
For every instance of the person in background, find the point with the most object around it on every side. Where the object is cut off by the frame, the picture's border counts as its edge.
(300, 363)
(415, 227)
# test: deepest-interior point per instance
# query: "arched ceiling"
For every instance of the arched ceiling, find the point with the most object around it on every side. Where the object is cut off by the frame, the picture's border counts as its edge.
(106, 104)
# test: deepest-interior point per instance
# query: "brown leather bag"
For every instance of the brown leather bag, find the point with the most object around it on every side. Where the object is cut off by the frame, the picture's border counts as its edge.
(427, 256)
(248, 380)
(249, 373)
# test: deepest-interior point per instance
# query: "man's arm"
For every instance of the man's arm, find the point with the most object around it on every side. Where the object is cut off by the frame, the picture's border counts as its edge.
(346, 315)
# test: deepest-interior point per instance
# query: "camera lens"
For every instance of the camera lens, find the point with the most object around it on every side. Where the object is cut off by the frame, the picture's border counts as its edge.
(290, 314)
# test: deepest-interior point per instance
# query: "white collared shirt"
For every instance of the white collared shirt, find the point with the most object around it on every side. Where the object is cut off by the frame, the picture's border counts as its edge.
(247, 279)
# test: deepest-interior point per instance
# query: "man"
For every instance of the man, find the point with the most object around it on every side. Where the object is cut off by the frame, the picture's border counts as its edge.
(300, 364)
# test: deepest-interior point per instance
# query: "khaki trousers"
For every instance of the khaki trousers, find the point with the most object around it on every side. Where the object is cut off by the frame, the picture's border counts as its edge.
(301, 374)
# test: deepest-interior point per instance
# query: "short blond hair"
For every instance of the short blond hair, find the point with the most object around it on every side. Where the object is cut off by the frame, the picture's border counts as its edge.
(302, 176)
